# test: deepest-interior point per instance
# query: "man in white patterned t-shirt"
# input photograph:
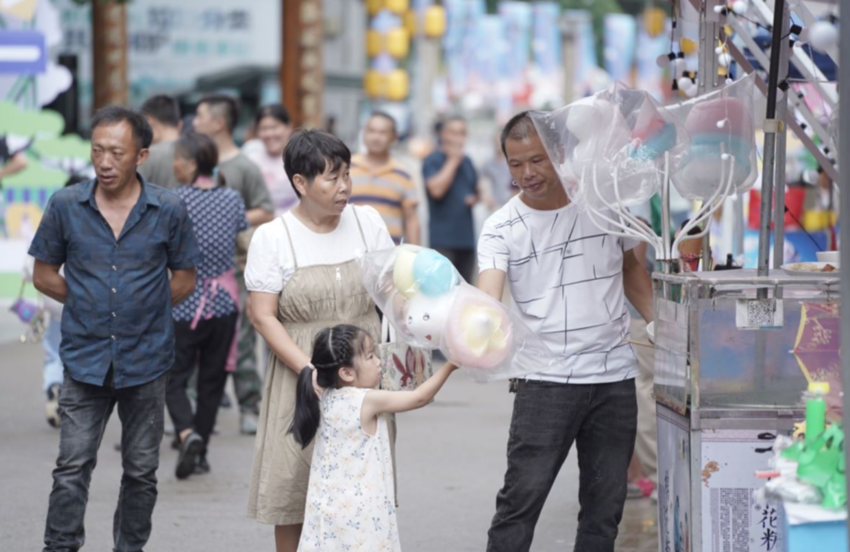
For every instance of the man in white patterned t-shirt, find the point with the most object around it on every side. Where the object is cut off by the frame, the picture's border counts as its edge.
(569, 281)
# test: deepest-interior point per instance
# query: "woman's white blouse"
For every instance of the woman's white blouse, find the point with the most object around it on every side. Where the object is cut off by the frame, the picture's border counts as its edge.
(270, 263)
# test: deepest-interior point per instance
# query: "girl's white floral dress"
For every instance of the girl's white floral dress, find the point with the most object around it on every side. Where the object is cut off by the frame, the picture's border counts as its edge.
(350, 499)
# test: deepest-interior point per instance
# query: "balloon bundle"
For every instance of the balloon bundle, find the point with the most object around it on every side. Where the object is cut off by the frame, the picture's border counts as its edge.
(431, 306)
(721, 139)
(618, 148)
(610, 147)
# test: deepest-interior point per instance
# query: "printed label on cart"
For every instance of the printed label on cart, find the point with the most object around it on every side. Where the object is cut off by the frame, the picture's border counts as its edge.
(734, 518)
(759, 314)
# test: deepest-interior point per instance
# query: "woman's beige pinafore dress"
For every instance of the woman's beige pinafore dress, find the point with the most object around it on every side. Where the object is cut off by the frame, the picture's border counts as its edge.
(316, 297)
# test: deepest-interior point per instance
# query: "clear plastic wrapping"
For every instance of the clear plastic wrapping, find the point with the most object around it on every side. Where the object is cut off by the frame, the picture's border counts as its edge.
(431, 306)
(721, 131)
(617, 136)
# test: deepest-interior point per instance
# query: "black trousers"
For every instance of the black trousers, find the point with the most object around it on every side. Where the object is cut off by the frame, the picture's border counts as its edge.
(548, 418)
(207, 346)
(85, 411)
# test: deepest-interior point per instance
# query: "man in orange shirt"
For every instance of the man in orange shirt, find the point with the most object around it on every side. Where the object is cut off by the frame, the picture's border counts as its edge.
(379, 181)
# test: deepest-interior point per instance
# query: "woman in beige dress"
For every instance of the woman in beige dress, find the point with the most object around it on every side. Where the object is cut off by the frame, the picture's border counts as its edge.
(302, 277)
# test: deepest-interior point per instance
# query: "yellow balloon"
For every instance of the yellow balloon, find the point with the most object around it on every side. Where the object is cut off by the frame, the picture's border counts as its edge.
(374, 43)
(398, 85)
(654, 20)
(374, 83)
(398, 42)
(688, 46)
(411, 22)
(435, 21)
(482, 329)
(397, 6)
(374, 6)
(403, 277)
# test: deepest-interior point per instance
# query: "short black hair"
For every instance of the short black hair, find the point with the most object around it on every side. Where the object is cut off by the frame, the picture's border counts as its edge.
(519, 127)
(201, 149)
(275, 111)
(387, 116)
(114, 114)
(187, 124)
(310, 152)
(163, 109)
(225, 106)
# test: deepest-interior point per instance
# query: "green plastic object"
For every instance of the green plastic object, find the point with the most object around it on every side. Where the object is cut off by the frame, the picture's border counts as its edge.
(794, 451)
(821, 464)
(835, 491)
(816, 410)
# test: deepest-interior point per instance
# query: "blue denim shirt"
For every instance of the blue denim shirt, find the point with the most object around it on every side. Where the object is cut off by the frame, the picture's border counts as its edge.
(118, 310)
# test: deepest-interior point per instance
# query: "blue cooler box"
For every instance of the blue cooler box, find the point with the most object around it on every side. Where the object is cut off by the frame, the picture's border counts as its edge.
(815, 529)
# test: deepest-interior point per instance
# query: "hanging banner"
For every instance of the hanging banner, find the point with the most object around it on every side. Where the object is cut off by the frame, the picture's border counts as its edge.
(620, 42)
(489, 62)
(588, 78)
(457, 28)
(650, 76)
(546, 45)
(473, 42)
(518, 18)
(547, 75)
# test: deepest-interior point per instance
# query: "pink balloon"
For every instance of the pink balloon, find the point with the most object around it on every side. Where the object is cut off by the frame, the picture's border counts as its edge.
(644, 130)
(460, 351)
(704, 117)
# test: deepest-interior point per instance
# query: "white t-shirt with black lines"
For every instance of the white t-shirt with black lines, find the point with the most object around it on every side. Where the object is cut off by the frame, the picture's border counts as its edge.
(566, 279)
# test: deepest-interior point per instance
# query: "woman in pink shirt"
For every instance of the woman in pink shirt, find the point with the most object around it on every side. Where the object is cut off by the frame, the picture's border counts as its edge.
(273, 127)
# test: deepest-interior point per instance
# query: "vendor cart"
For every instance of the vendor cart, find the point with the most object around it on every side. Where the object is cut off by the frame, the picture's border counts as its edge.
(727, 381)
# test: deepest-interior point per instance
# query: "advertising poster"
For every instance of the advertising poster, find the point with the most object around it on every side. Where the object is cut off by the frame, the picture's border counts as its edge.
(733, 520)
(674, 496)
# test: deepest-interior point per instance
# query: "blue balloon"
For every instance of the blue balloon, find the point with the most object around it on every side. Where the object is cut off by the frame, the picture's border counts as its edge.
(434, 273)
(655, 146)
(710, 146)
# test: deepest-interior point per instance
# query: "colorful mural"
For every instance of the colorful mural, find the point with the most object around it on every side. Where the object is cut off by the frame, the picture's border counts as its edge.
(26, 84)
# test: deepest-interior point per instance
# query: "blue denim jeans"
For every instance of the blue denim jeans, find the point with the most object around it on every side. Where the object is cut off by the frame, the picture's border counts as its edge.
(601, 419)
(85, 411)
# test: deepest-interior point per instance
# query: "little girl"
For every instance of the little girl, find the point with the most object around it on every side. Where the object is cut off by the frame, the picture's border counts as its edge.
(350, 498)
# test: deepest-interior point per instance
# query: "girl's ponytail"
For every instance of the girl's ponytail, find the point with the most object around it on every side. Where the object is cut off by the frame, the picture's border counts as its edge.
(333, 348)
(307, 413)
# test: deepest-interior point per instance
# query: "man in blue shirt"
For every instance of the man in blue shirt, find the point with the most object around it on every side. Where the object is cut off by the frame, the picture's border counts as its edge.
(452, 186)
(117, 237)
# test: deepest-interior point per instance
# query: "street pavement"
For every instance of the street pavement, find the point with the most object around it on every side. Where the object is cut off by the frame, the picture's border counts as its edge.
(451, 458)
